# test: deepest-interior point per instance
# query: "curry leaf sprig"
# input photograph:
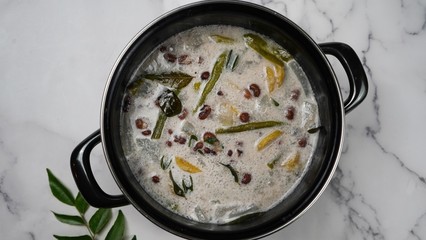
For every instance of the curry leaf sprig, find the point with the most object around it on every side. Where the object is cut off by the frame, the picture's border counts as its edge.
(97, 222)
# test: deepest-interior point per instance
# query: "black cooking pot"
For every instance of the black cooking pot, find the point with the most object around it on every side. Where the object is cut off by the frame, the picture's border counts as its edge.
(310, 56)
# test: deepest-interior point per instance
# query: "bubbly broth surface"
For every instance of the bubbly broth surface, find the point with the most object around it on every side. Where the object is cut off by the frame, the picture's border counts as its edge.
(215, 123)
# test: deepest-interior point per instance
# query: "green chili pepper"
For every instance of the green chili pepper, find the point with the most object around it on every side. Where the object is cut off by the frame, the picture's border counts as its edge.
(178, 190)
(176, 80)
(260, 46)
(134, 86)
(233, 171)
(232, 61)
(221, 39)
(216, 72)
(248, 127)
(159, 125)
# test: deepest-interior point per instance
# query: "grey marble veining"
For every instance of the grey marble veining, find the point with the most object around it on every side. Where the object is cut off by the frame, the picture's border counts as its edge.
(55, 57)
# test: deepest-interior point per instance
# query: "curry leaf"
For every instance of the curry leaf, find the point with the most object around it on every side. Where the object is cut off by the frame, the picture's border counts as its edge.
(134, 237)
(117, 230)
(59, 190)
(98, 221)
(81, 204)
(176, 80)
(232, 170)
(84, 237)
(69, 219)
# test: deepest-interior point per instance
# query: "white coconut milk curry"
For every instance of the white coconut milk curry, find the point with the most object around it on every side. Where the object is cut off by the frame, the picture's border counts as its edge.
(219, 122)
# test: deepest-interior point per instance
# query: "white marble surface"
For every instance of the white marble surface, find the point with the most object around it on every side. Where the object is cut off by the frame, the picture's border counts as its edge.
(55, 57)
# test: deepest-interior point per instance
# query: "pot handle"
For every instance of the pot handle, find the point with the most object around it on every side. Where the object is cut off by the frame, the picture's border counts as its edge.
(358, 82)
(83, 176)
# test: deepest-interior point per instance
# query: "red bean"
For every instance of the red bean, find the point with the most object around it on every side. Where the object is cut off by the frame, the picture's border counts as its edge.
(183, 114)
(255, 89)
(180, 140)
(207, 136)
(205, 75)
(247, 94)
(170, 131)
(220, 93)
(163, 49)
(169, 143)
(245, 117)
(184, 60)
(302, 142)
(146, 132)
(230, 153)
(289, 113)
(246, 178)
(204, 112)
(170, 57)
(198, 146)
(294, 95)
(140, 124)
(155, 179)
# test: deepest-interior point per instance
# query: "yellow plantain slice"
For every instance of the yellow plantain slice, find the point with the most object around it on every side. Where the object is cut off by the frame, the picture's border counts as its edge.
(268, 139)
(270, 79)
(279, 73)
(186, 166)
(293, 162)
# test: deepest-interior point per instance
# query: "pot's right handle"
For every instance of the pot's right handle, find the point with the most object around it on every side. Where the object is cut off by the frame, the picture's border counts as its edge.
(358, 82)
(83, 176)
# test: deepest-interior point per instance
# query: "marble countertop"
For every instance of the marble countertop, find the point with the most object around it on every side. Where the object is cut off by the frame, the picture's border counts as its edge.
(55, 57)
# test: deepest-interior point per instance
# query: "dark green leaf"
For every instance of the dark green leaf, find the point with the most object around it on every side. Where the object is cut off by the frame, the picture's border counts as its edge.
(165, 164)
(100, 219)
(232, 61)
(178, 190)
(271, 164)
(169, 103)
(81, 204)
(233, 171)
(69, 219)
(176, 80)
(117, 230)
(59, 190)
(276, 104)
(192, 138)
(188, 187)
(316, 129)
(84, 237)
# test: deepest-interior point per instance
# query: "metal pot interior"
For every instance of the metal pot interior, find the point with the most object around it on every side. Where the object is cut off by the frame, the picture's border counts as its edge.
(310, 58)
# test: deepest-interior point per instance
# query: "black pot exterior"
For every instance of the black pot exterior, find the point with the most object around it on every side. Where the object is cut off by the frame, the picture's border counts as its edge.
(310, 57)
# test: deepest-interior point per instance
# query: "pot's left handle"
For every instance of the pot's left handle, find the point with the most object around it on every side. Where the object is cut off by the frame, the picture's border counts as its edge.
(83, 176)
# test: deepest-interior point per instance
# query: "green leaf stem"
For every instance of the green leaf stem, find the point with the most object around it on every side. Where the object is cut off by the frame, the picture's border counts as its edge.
(98, 221)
